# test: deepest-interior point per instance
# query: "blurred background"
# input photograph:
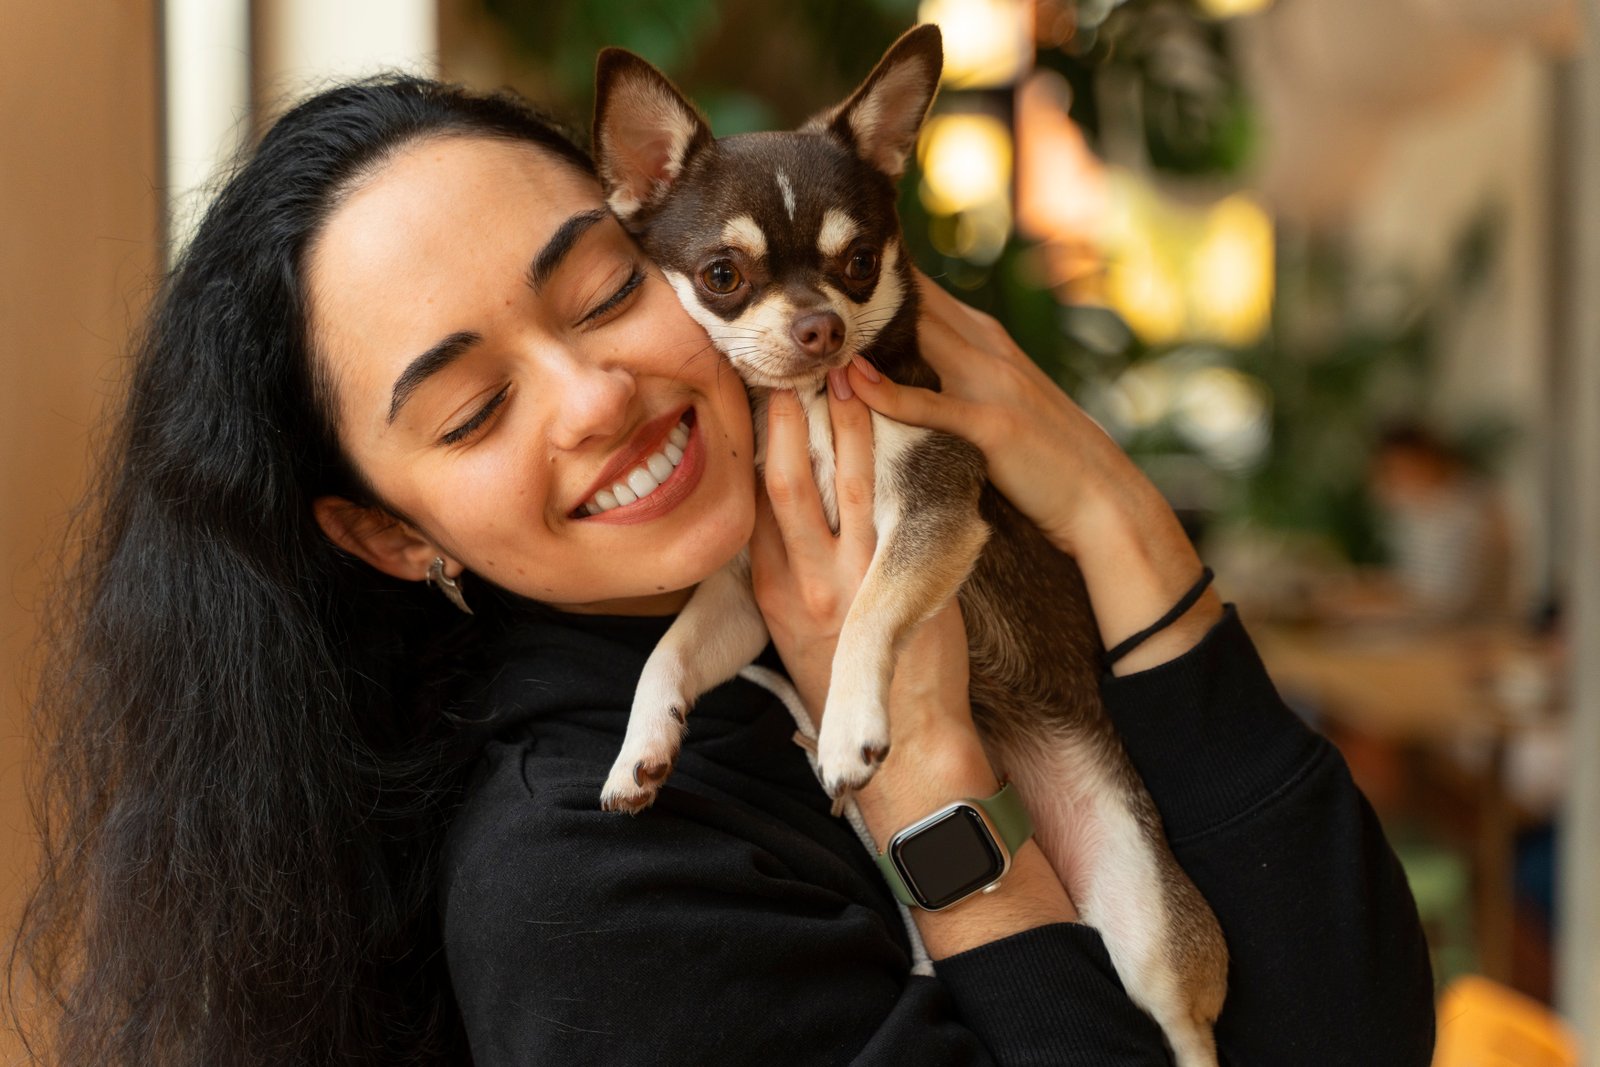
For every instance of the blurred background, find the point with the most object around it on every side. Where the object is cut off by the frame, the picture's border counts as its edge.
(1329, 269)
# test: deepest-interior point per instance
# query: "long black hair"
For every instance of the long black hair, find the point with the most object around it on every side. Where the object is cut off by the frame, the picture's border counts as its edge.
(247, 768)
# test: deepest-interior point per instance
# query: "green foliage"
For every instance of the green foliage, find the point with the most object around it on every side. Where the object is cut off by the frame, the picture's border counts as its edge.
(750, 65)
(564, 35)
(1191, 104)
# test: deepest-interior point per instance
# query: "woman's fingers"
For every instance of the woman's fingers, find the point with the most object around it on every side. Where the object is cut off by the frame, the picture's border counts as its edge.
(853, 467)
(906, 403)
(791, 487)
(767, 554)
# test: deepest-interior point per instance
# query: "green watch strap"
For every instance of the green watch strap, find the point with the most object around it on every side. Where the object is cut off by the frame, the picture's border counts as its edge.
(897, 884)
(1006, 813)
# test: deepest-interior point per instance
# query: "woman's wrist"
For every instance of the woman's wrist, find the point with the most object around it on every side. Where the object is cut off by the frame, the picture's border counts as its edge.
(1137, 562)
(932, 770)
(923, 772)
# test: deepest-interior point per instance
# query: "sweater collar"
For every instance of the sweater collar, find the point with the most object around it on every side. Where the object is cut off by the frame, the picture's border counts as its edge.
(533, 662)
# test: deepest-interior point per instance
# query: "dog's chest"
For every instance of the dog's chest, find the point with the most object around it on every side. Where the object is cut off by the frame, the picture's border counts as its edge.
(894, 449)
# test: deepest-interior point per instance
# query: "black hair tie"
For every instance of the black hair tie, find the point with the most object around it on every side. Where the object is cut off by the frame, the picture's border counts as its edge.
(1188, 601)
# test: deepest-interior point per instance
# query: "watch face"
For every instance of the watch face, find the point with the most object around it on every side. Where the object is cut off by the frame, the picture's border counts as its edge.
(950, 858)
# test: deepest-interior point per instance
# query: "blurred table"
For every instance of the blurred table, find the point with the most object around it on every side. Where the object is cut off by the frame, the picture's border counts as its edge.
(1434, 692)
(1397, 684)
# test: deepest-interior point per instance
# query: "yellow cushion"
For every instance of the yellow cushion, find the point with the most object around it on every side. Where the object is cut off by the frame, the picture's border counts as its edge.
(1484, 1024)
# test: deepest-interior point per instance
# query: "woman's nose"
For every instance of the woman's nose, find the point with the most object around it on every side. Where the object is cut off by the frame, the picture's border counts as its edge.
(591, 400)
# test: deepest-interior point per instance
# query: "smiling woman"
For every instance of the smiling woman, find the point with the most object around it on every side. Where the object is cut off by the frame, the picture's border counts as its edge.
(555, 364)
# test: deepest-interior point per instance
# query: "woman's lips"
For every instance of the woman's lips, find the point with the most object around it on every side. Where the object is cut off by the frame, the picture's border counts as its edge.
(646, 440)
(669, 493)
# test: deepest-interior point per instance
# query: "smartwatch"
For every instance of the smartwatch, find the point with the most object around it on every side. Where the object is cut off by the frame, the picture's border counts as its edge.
(962, 849)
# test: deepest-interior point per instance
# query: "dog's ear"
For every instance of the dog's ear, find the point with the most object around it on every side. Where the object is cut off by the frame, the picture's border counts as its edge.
(644, 131)
(880, 119)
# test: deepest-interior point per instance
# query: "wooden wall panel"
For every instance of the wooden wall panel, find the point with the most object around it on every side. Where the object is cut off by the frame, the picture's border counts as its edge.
(79, 246)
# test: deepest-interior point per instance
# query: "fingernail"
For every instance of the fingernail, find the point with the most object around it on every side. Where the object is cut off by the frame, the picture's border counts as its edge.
(868, 371)
(840, 383)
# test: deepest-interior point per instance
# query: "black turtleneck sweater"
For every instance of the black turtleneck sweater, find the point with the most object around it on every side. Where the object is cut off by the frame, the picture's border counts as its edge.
(737, 922)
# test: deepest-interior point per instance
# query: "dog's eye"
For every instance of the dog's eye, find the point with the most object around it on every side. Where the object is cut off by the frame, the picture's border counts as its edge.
(862, 266)
(721, 277)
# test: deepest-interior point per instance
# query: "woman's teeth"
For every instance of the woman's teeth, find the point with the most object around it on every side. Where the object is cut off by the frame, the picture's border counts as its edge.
(647, 477)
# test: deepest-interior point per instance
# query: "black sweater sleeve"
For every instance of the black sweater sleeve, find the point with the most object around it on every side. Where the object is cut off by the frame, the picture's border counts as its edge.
(1328, 963)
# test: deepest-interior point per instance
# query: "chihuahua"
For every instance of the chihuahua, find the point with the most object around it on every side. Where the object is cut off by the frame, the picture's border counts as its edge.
(787, 249)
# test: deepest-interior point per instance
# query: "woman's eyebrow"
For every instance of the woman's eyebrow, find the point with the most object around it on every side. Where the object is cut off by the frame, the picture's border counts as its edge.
(555, 250)
(441, 355)
(429, 363)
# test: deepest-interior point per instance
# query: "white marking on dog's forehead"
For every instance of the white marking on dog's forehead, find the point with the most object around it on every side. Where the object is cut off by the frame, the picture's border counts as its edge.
(787, 192)
(838, 230)
(741, 232)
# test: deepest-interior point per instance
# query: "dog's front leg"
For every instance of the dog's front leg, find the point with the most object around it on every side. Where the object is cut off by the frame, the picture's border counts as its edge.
(929, 537)
(719, 631)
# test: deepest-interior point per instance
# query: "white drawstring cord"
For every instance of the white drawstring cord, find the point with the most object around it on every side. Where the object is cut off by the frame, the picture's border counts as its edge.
(784, 690)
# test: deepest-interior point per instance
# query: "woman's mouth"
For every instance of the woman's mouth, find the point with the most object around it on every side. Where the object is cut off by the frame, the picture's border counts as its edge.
(656, 482)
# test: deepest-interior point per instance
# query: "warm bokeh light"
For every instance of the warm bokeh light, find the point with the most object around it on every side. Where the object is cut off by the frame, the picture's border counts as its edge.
(981, 232)
(1175, 273)
(966, 178)
(1227, 9)
(987, 43)
(966, 162)
(1231, 273)
(1110, 236)
(1145, 289)
(1061, 183)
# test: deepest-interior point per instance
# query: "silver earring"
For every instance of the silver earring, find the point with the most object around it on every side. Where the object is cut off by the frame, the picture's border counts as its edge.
(450, 587)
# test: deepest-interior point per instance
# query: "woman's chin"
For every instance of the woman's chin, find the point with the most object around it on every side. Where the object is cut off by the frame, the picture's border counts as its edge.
(666, 594)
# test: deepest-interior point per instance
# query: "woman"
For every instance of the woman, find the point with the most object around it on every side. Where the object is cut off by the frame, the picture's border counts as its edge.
(405, 344)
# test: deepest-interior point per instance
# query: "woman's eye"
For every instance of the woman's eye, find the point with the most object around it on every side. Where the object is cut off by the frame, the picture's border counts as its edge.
(721, 277)
(862, 266)
(471, 426)
(616, 299)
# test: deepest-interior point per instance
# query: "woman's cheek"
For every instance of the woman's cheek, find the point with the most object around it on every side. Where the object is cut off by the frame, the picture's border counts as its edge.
(504, 492)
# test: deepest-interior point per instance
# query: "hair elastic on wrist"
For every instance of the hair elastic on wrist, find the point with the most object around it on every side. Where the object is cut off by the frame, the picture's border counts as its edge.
(1188, 601)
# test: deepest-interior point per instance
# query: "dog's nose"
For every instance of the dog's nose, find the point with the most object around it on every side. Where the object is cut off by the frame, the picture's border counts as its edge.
(821, 333)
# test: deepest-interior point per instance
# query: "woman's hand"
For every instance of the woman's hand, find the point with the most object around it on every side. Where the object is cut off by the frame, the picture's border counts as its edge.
(1058, 467)
(999, 399)
(806, 576)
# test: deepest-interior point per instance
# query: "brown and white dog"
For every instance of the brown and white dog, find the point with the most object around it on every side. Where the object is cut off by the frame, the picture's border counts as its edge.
(785, 246)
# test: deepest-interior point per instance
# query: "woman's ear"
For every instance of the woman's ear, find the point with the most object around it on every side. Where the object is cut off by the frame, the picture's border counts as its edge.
(376, 537)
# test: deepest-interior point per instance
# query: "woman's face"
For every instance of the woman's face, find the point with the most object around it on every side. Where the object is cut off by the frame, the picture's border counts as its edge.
(500, 353)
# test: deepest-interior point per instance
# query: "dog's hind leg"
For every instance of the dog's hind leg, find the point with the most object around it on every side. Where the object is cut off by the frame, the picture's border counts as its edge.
(1103, 835)
(719, 631)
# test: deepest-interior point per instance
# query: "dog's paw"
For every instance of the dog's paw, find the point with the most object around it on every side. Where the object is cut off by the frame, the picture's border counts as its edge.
(633, 787)
(649, 750)
(853, 742)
